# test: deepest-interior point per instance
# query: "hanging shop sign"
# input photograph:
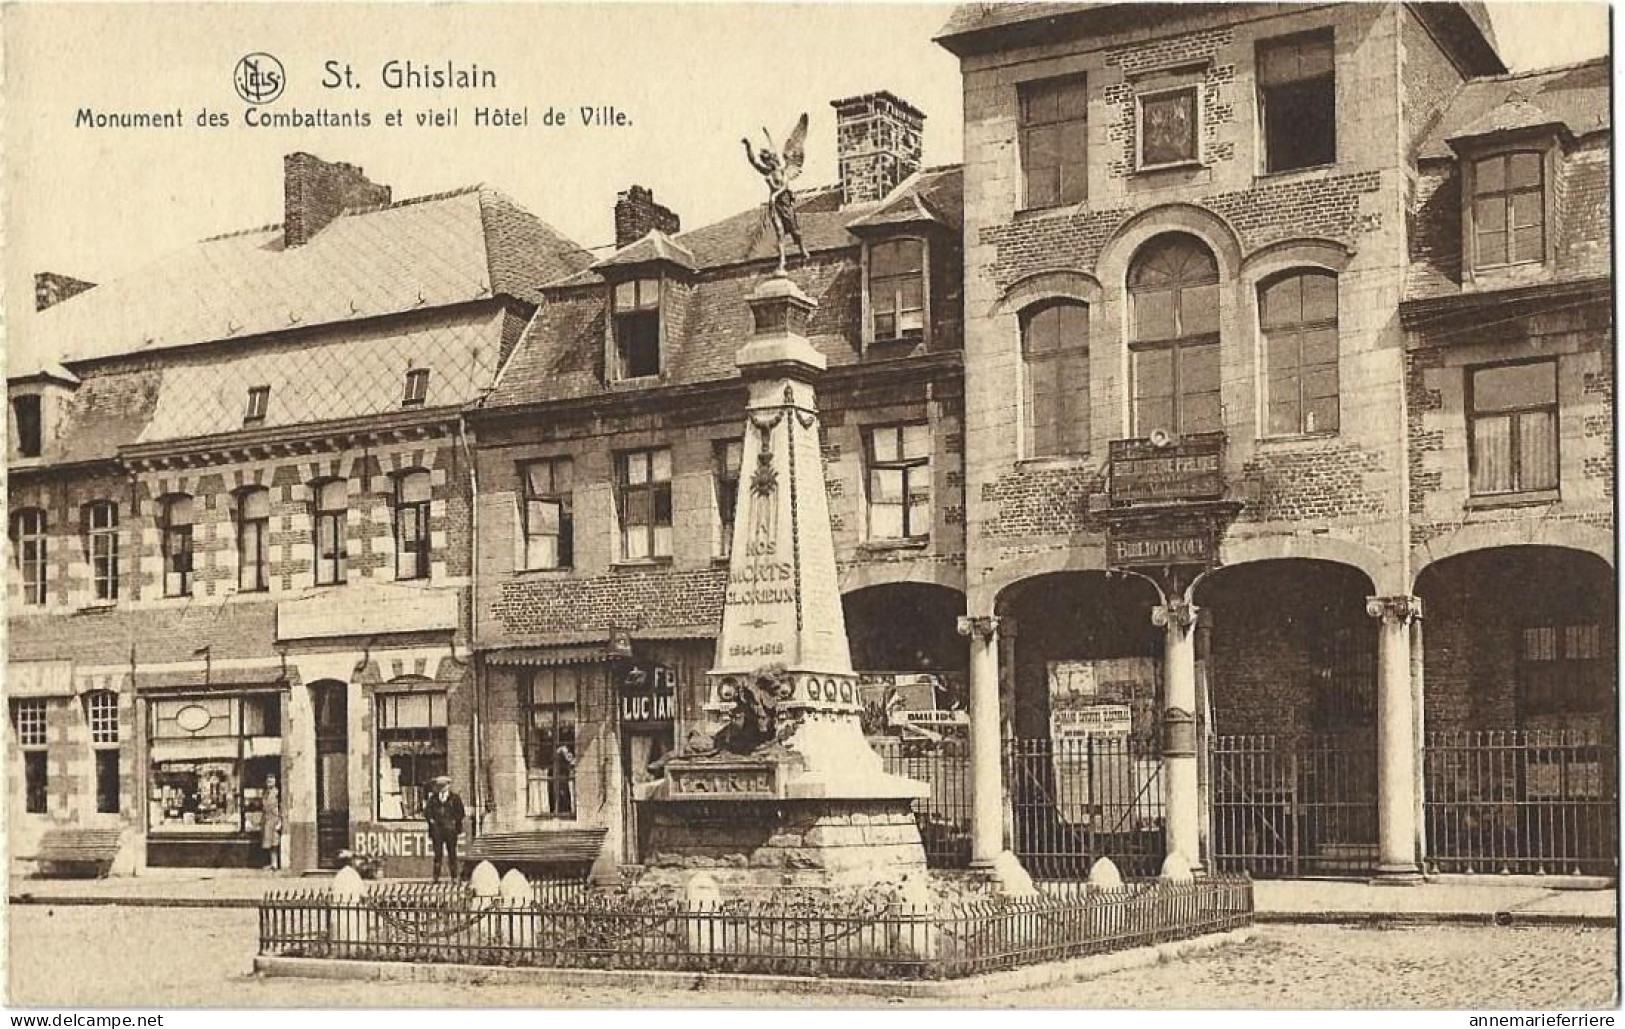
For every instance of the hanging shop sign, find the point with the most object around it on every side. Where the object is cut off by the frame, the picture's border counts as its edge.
(1158, 546)
(1164, 470)
(648, 695)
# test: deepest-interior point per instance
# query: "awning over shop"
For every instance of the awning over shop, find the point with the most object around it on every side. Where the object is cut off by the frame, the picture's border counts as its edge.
(39, 678)
(269, 677)
(578, 654)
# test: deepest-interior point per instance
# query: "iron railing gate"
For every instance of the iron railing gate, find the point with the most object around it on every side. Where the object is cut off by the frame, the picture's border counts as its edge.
(1294, 805)
(1527, 801)
(944, 815)
(1075, 800)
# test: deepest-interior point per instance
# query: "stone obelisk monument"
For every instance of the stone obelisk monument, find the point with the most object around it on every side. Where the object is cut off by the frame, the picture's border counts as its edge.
(790, 783)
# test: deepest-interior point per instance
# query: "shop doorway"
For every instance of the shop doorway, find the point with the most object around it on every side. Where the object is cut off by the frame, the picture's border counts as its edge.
(332, 771)
(643, 751)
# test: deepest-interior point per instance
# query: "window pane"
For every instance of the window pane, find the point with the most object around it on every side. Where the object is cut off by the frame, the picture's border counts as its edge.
(1524, 171)
(1528, 244)
(1154, 373)
(1199, 412)
(1319, 383)
(662, 505)
(1319, 298)
(635, 469)
(919, 513)
(1492, 248)
(662, 541)
(1491, 175)
(541, 551)
(886, 521)
(1320, 415)
(1281, 303)
(886, 485)
(1527, 209)
(1041, 331)
(882, 260)
(635, 542)
(883, 443)
(1199, 309)
(1537, 450)
(1072, 99)
(1517, 385)
(1154, 315)
(1199, 369)
(660, 466)
(1320, 347)
(637, 507)
(1281, 353)
(1074, 325)
(1153, 414)
(1492, 455)
(626, 295)
(1284, 418)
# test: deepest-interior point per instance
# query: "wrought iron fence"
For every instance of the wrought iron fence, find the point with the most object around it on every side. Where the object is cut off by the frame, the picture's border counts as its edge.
(1075, 800)
(944, 815)
(1294, 805)
(1540, 801)
(1071, 801)
(752, 936)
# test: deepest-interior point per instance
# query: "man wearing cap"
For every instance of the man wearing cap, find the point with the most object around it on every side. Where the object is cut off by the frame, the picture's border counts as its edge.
(444, 813)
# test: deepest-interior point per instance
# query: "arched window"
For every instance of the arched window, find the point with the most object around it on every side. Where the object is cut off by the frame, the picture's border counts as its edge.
(177, 545)
(1055, 362)
(28, 533)
(1174, 292)
(1298, 313)
(332, 500)
(253, 528)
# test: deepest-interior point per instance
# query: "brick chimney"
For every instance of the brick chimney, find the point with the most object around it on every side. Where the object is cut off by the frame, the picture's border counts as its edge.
(314, 192)
(51, 289)
(636, 213)
(877, 141)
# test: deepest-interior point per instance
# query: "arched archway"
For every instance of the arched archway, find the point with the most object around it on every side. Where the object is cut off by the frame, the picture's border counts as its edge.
(1520, 711)
(1288, 656)
(905, 634)
(1083, 692)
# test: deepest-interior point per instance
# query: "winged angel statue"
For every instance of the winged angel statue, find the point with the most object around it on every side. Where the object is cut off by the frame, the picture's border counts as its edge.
(778, 171)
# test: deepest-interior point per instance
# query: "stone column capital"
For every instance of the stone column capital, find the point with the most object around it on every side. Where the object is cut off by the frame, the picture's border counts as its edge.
(1400, 609)
(980, 627)
(1179, 613)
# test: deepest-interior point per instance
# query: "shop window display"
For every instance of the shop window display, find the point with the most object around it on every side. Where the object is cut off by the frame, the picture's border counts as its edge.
(210, 758)
(411, 751)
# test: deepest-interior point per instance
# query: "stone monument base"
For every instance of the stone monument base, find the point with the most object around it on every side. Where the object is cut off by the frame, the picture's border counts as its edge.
(773, 842)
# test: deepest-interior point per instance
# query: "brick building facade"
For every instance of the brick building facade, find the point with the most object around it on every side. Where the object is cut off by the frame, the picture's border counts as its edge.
(240, 527)
(608, 461)
(1255, 225)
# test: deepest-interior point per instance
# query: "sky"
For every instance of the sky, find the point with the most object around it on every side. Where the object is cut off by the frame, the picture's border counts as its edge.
(691, 78)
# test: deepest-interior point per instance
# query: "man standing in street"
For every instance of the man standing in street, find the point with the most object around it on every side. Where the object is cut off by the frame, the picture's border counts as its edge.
(444, 813)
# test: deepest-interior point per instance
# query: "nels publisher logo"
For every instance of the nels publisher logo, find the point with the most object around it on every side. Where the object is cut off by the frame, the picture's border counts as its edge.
(259, 78)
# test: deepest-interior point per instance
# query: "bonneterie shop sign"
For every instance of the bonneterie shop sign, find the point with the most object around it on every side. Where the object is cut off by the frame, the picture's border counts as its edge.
(648, 694)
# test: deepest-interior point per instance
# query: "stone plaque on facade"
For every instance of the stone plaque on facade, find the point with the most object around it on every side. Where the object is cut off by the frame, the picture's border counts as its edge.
(738, 780)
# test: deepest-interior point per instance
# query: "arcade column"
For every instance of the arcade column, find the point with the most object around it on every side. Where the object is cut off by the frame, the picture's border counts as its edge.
(1177, 618)
(1397, 742)
(987, 786)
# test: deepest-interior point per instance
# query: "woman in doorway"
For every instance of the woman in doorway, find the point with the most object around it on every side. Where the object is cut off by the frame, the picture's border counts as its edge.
(271, 822)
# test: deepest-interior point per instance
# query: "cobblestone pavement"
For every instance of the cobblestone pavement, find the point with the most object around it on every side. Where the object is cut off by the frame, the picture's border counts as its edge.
(167, 957)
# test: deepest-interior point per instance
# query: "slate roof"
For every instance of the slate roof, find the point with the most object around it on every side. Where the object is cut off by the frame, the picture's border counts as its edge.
(656, 246)
(561, 355)
(331, 327)
(1575, 97)
(426, 252)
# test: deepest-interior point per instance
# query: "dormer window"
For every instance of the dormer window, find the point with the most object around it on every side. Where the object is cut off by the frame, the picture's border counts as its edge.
(897, 289)
(417, 387)
(1507, 213)
(258, 398)
(637, 328)
(27, 425)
